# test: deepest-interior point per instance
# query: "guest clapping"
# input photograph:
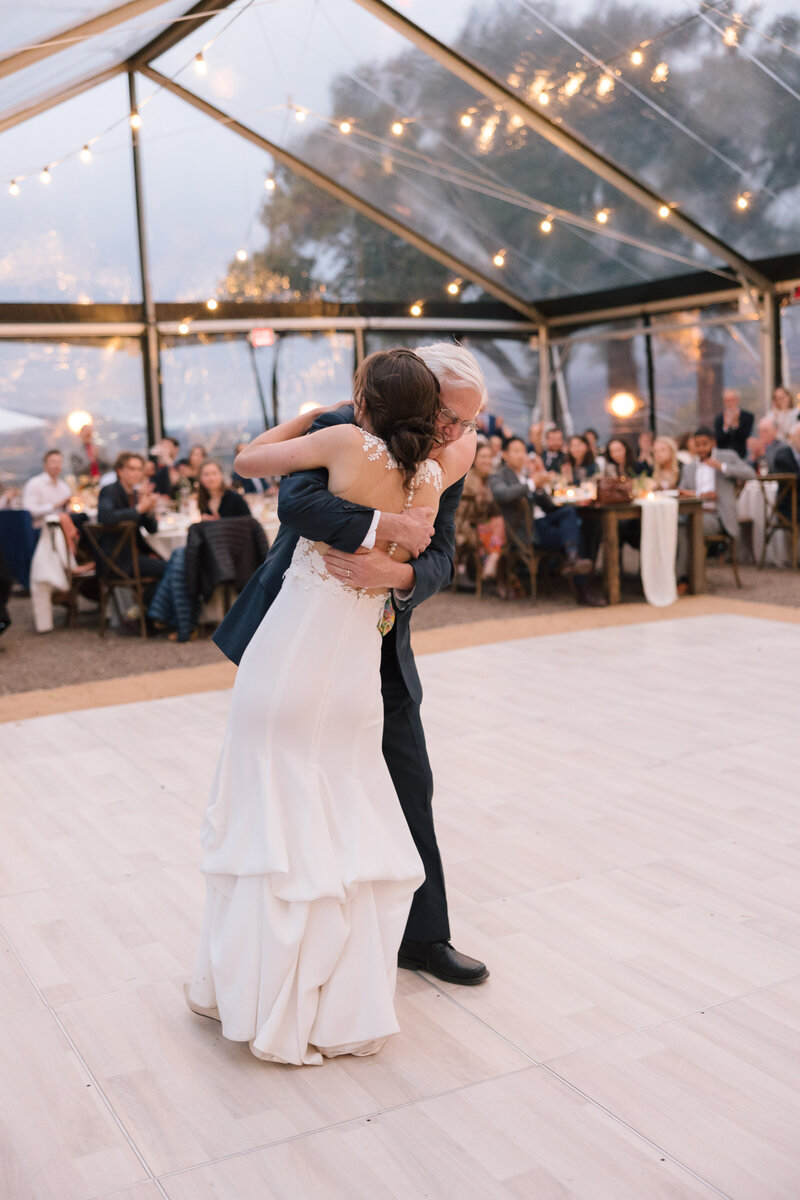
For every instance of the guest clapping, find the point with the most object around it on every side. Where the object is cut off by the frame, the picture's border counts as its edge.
(763, 449)
(734, 425)
(214, 498)
(129, 499)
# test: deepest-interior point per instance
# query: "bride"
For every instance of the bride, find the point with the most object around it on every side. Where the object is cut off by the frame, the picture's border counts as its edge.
(310, 866)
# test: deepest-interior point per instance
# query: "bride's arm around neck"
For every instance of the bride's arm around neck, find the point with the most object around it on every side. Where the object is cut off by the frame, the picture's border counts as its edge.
(284, 449)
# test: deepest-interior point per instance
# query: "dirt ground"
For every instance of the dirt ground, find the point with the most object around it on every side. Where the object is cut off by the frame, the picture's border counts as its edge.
(30, 661)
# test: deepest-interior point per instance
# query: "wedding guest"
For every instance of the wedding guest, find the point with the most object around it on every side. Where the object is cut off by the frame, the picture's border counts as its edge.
(553, 528)
(784, 411)
(129, 499)
(535, 433)
(734, 425)
(88, 460)
(553, 454)
(479, 522)
(787, 462)
(197, 456)
(687, 451)
(763, 449)
(214, 498)
(252, 487)
(47, 492)
(580, 463)
(620, 463)
(496, 446)
(166, 474)
(713, 478)
(666, 465)
(644, 455)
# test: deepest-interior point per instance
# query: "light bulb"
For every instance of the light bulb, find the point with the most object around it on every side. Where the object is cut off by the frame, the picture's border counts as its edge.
(453, 288)
(397, 128)
(605, 84)
(730, 37)
(499, 259)
(13, 188)
(269, 184)
(136, 121)
(85, 155)
(602, 216)
(573, 83)
(637, 58)
(664, 211)
(743, 200)
(546, 225)
(345, 127)
(300, 115)
(416, 310)
(183, 327)
(660, 73)
(466, 120)
(241, 255)
(45, 176)
(211, 305)
(544, 98)
(200, 64)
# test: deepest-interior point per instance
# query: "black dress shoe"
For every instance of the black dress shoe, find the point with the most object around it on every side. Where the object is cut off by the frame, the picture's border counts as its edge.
(441, 960)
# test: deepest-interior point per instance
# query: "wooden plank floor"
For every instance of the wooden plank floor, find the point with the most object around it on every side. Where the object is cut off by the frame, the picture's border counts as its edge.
(619, 819)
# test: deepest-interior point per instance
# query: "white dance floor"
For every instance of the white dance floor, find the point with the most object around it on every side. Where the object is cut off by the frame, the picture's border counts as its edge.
(619, 818)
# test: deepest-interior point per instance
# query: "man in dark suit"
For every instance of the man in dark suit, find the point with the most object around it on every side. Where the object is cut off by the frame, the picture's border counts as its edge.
(734, 425)
(129, 499)
(306, 509)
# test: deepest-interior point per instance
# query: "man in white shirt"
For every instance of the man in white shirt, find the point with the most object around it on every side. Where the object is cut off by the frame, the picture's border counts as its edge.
(47, 493)
(713, 479)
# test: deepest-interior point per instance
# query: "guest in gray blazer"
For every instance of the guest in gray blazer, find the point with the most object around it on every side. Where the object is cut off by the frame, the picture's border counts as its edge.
(714, 477)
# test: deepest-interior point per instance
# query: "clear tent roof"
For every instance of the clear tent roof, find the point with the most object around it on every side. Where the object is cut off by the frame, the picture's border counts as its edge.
(696, 101)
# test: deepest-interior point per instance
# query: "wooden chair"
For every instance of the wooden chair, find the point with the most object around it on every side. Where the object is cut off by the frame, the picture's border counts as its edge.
(111, 575)
(728, 543)
(69, 597)
(776, 521)
(519, 548)
(472, 557)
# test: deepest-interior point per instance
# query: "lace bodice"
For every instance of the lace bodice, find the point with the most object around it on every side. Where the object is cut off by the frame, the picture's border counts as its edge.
(428, 471)
(307, 569)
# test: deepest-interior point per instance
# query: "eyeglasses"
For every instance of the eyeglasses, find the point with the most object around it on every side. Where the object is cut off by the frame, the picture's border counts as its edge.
(446, 417)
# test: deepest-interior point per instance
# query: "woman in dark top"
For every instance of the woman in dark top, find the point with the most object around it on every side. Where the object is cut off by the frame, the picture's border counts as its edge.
(620, 462)
(580, 464)
(214, 498)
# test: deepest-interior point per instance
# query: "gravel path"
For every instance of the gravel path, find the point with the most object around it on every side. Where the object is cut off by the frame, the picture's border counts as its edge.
(30, 661)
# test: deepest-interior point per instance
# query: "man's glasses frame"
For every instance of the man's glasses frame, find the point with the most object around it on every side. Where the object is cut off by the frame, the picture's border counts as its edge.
(450, 418)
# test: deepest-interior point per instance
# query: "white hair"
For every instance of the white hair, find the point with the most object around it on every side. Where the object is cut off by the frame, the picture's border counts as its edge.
(453, 365)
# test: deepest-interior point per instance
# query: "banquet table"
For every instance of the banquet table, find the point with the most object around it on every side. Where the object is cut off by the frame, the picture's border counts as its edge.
(610, 516)
(173, 528)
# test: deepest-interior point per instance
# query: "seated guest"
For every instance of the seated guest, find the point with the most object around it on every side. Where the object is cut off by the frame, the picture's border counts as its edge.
(620, 463)
(166, 473)
(554, 528)
(553, 455)
(734, 425)
(592, 436)
(496, 447)
(479, 523)
(129, 499)
(644, 455)
(88, 460)
(535, 435)
(787, 462)
(197, 456)
(580, 463)
(214, 498)
(666, 465)
(762, 450)
(47, 493)
(251, 486)
(686, 448)
(784, 412)
(713, 478)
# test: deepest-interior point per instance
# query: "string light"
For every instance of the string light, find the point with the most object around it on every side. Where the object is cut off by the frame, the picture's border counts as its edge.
(637, 58)
(45, 176)
(300, 114)
(416, 310)
(345, 126)
(602, 216)
(573, 83)
(200, 64)
(499, 258)
(731, 36)
(241, 255)
(660, 73)
(516, 121)
(85, 155)
(183, 327)
(269, 183)
(664, 211)
(397, 128)
(544, 98)
(211, 305)
(605, 84)
(136, 120)
(546, 225)
(466, 120)
(13, 188)
(455, 287)
(743, 200)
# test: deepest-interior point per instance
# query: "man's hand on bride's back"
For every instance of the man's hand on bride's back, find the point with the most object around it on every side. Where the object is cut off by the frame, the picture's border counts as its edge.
(412, 529)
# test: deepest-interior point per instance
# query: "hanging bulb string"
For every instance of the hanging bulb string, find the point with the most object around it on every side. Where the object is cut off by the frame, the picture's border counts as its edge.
(742, 24)
(755, 61)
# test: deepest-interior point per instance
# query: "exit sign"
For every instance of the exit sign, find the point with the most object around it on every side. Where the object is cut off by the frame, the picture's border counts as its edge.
(262, 337)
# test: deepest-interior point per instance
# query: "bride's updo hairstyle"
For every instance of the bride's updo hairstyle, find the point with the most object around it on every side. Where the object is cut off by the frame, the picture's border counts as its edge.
(399, 396)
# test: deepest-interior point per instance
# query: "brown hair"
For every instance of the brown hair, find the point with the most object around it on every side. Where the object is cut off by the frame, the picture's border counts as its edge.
(124, 458)
(203, 494)
(400, 396)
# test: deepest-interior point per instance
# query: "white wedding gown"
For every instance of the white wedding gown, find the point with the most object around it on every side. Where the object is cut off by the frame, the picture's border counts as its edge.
(310, 866)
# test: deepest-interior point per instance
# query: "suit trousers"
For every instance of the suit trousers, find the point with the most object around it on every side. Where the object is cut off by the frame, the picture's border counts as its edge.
(406, 757)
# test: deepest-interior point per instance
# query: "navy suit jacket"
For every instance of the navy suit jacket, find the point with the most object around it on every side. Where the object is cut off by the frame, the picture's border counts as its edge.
(307, 509)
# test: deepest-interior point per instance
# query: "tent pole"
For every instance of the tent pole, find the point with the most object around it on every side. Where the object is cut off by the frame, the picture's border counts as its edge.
(150, 346)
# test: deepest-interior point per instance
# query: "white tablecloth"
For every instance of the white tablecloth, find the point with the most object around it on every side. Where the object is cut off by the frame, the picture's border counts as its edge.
(173, 531)
(659, 546)
(751, 506)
